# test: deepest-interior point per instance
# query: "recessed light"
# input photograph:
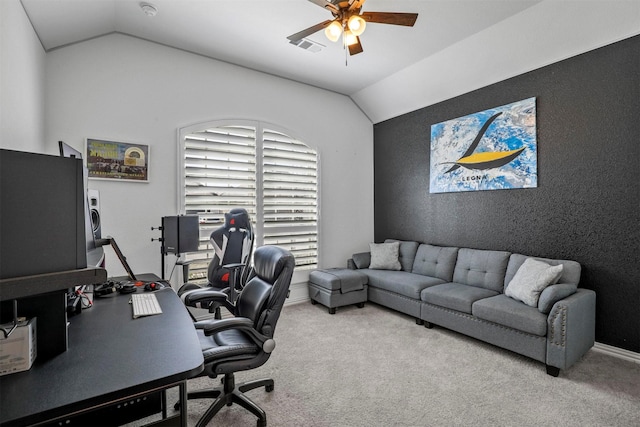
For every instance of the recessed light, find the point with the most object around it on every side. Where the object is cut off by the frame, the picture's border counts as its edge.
(148, 9)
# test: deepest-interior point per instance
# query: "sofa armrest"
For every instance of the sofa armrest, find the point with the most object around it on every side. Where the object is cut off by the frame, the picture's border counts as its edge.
(571, 328)
(359, 260)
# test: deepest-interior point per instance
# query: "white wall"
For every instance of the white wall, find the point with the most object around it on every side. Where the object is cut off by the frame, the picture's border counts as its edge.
(22, 77)
(545, 33)
(126, 89)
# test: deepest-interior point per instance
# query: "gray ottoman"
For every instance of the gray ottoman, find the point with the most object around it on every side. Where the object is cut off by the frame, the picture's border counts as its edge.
(337, 287)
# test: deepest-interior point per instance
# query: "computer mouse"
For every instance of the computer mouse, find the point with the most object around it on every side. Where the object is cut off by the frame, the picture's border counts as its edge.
(153, 286)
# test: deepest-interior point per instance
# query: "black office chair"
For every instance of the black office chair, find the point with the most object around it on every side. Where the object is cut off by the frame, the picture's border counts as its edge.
(245, 341)
(230, 267)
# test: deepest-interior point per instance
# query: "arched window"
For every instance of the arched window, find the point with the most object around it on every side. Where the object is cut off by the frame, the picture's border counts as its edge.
(255, 166)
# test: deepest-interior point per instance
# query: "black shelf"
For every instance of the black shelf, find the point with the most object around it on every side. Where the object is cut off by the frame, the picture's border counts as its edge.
(26, 286)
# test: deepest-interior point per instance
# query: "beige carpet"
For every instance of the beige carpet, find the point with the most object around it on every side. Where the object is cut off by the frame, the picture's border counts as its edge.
(376, 367)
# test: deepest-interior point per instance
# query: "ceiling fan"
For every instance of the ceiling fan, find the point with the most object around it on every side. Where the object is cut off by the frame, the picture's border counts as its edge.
(349, 22)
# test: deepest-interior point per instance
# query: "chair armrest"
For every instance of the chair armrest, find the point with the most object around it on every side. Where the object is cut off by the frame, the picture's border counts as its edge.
(233, 266)
(211, 327)
(243, 324)
(191, 298)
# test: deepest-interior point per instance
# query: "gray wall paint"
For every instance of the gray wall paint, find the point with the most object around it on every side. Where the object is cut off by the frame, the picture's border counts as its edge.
(22, 81)
(122, 88)
(587, 203)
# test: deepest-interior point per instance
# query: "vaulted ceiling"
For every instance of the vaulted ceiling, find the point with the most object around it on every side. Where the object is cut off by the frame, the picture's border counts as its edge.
(254, 34)
(455, 46)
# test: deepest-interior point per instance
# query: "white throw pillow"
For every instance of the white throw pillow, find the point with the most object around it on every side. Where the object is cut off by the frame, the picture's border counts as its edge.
(385, 256)
(531, 279)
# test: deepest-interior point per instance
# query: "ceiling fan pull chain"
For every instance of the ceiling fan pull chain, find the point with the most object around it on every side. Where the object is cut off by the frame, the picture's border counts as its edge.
(346, 50)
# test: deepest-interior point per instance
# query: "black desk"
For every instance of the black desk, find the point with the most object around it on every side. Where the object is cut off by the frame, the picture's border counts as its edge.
(111, 358)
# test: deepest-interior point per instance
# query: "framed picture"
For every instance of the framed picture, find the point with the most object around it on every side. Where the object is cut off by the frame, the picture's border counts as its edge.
(117, 160)
(495, 149)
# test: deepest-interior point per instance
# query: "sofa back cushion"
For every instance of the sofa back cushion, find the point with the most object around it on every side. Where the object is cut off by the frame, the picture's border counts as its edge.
(435, 261)
(407, 253)
(481, 268)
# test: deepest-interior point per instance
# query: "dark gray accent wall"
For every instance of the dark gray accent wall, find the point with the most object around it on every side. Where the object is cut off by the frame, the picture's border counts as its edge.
(587, 203)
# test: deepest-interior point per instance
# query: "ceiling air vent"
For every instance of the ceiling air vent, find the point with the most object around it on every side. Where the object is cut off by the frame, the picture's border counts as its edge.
(307, 44)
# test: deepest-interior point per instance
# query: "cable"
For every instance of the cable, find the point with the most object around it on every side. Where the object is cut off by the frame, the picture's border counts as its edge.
(174, 268)
(85, 300)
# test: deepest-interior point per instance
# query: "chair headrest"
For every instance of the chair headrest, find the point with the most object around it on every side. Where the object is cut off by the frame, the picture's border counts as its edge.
(269, 262)
(237, 218)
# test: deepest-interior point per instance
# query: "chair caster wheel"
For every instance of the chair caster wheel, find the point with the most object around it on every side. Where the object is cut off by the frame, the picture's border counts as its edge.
(313, 302)
(261, 423)
(332, 310)
(268, 388)
(360, 305)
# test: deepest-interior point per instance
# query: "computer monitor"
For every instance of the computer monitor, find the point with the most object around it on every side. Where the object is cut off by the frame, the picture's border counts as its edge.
(42, 227)
(68, 151)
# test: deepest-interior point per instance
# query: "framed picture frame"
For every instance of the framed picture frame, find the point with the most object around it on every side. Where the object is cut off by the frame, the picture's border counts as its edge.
(120, 161)
(494, 149)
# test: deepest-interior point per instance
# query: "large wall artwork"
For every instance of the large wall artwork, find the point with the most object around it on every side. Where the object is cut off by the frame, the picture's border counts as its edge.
(491, 150)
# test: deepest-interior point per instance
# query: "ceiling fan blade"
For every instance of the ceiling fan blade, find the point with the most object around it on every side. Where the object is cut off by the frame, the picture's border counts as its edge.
(406, 19)
(356, 48)
(326, 4)
(304, 33)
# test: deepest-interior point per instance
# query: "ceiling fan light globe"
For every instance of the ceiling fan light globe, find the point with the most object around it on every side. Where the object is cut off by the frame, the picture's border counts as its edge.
(356, 24)
(333, 31)
(350, 38)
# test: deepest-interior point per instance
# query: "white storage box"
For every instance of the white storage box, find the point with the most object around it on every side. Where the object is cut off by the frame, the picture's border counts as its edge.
(18, 351)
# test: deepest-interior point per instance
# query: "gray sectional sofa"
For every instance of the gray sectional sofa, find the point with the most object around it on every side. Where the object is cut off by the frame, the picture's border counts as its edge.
(467, 290)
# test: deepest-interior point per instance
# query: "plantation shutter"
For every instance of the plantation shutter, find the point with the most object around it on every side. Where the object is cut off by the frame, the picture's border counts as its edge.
(221, 172)
(289, 196)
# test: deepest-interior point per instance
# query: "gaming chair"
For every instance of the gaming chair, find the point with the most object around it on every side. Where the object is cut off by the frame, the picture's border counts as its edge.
(230, 267)
(232, 244)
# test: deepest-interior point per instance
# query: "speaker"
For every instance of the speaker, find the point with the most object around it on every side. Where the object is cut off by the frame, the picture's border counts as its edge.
(94, 211)
(181, 234)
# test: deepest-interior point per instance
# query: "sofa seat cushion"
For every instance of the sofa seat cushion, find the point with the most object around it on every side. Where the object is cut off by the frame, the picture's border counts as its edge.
(514, 314)
(455, 296)
(407, 284)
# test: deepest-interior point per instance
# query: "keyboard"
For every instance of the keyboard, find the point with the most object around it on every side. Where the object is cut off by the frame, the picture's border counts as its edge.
(145, 305)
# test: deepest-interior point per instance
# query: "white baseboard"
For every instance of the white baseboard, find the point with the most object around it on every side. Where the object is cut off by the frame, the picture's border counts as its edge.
(298, 292)
(617, 352)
